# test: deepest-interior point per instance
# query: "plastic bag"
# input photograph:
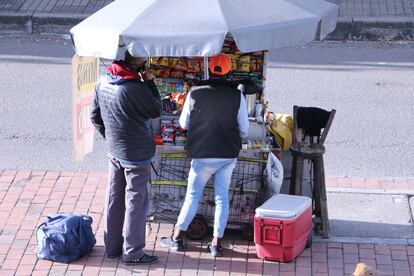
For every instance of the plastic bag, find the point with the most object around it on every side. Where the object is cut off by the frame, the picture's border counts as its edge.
(280, 125)
(274, 170)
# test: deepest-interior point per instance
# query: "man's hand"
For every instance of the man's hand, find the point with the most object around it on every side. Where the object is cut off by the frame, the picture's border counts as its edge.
(147, 75)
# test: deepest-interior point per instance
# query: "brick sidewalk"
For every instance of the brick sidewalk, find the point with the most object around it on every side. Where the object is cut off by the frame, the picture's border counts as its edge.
(27, 197)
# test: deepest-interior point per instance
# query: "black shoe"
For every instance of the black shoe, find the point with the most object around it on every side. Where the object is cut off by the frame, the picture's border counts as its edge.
(176, 245)
(216, 251)
(144, 260)
(114, 256)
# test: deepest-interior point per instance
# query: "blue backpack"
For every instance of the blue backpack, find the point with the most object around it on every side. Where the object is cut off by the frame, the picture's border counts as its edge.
(65, 237)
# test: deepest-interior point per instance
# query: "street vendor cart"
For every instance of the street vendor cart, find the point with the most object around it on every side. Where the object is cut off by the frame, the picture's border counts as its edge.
(178, 37)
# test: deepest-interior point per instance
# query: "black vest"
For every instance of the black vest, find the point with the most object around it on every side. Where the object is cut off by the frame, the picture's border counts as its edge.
(214, 131)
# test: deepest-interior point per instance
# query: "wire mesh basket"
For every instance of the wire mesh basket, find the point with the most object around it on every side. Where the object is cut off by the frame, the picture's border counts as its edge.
(168, 191)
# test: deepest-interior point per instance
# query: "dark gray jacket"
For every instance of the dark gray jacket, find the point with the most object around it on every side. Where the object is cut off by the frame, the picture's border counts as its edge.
(120, 112)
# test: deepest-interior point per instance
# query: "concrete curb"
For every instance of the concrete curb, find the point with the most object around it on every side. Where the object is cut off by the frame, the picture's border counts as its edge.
(16, 21)
(368, 28)
(370, 191)
(382, 241)
(55, 24)
(39, 23)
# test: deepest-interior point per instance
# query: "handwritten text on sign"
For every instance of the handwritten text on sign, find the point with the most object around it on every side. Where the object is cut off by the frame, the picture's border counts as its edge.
(85, 75)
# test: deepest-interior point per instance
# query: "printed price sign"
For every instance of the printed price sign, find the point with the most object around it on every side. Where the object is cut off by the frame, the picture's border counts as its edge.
(85, 74)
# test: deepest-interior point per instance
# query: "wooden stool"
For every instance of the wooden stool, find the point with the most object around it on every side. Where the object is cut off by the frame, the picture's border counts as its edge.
(308, 123)
(313, 152)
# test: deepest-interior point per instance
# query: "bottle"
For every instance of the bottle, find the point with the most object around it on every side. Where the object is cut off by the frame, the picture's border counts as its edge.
(259, 112)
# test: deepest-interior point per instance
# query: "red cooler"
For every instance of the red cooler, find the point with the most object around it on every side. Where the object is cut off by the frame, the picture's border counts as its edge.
(282, 226)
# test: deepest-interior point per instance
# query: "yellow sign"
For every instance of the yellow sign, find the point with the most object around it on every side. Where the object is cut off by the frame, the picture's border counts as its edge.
(85, 72)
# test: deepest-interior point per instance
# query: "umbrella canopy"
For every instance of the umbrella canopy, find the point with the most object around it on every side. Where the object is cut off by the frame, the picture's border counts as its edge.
(199, 27)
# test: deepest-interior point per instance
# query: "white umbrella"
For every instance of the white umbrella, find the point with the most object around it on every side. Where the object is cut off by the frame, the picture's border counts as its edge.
(199, 27)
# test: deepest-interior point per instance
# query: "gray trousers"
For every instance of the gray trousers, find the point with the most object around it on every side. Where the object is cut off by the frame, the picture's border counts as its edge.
(126, 207)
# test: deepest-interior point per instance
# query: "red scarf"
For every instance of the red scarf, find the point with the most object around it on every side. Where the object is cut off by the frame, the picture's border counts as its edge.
(120, 69)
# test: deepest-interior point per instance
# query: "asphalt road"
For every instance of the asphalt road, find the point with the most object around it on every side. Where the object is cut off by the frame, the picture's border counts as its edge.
(371, 85)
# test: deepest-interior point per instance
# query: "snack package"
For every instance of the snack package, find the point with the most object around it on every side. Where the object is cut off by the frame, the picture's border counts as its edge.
(234, 59)
(164, 61)
(190, 76)
(179, 88)
(177, 74)
(168, 139)
(227, 46)
(253, 65)
(154, 60)
(167, 126)
(181, 65)
(193, 65)
(179, 139)
(165, 73)
(174, 61)
(169, 87)
(179, 100)
(167, 104)
(243, 64)
(176, 124)
(158, 73)
(160, 84)
(158, 139)
(235, 49)
(186, 87)
(179, 135)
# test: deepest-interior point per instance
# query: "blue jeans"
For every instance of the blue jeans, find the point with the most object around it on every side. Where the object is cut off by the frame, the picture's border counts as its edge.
(200, 172)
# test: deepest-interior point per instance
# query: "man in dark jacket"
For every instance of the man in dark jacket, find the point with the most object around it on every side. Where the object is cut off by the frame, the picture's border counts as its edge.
(122, 105)
(215, 115)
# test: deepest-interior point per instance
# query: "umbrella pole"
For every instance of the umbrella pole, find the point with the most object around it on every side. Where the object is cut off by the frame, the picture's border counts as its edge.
(206, 75)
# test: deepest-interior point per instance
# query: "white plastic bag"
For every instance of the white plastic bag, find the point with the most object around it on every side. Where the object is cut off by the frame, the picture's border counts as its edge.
(274, 170)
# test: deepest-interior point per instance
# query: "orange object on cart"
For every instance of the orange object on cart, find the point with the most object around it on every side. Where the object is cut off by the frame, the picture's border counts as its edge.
(158, 140)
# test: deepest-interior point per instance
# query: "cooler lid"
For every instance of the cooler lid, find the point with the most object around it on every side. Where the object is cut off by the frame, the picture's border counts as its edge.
(283, 206)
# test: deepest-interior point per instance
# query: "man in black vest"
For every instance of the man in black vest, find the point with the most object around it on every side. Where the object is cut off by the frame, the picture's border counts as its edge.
(215, 115)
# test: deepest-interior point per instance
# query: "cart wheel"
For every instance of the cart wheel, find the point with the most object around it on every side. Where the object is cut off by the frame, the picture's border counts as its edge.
(247, 232)
(309, 241)
(197, 228)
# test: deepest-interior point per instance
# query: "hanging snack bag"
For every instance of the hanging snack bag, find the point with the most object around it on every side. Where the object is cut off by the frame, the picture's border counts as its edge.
(170, 87)
(227, 45)
(234, 48)
(154, 60)
(174, 61)
(243, 64)
(164, 61)
(158, 73)
(233, 61)
(193, 65)
(160, 84)
(181, 65)
(259, 65)
(165, 73)
(253, 65)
